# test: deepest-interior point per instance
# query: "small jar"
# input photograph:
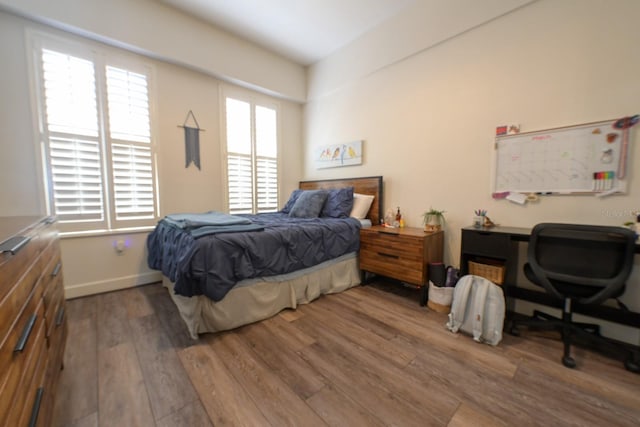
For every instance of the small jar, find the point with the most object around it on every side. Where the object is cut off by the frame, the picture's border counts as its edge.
(478, 221)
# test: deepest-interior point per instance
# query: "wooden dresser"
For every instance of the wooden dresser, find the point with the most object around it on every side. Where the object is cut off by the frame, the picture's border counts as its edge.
(401, 253)
(33, 328)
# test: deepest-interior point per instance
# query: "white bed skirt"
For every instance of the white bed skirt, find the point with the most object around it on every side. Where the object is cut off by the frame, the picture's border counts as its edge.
(258, 299)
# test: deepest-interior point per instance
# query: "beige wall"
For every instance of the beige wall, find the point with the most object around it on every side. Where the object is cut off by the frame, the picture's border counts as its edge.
(91, 264)
(150, 27)
(429, 121)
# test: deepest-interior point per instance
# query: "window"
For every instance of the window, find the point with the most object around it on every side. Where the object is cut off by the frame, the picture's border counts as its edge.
(252, 156)
(98, 150)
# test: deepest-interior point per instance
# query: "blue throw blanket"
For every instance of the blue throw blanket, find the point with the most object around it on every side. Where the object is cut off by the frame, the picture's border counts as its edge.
(202, 224)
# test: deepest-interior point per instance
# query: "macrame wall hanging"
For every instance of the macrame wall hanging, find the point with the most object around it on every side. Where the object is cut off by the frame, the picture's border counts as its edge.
(191, 141)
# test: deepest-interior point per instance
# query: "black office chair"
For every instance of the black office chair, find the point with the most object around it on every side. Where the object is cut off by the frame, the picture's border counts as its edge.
(586, 264)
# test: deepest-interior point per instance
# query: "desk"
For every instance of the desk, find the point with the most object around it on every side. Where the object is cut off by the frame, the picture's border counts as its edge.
(502, 244)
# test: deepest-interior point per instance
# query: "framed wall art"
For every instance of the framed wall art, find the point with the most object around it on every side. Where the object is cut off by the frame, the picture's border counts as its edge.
(337, 155)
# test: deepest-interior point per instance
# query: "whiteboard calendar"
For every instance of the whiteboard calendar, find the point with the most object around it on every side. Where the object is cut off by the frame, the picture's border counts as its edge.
(576, 159)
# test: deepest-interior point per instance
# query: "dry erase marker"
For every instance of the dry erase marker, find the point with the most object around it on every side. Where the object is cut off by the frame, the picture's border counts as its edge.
(610, 176)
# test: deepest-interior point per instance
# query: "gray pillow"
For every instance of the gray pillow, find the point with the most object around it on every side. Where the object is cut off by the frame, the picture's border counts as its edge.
(339, 203)
(292, 200)
(309, 204)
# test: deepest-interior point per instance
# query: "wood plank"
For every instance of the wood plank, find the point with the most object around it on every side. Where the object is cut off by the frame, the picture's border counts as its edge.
(169, 317)
(397, 352)
(575, 406)
(374, 370)
(90, 420)
(192, 415)
(224, 399)
(279, 404)
(83, 308)
(612, 384)
(289, 314)
(241, 377)
(112, 321)
(121, 388)
(166, 380)
(467, 415)
(77, 390)
(347, 311)
(283, 360)
(338, 409)
(291, 336)
(137, 302)
(420, 329)
(361, 386)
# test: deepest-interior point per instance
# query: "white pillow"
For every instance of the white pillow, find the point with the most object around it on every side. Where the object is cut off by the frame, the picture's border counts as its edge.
(361, 205)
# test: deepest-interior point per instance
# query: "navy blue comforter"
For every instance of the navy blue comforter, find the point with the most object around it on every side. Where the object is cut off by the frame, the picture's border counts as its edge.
(213, 264)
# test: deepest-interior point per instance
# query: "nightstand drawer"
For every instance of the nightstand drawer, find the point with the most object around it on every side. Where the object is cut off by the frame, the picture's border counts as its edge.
(406, 269)
(393, 244)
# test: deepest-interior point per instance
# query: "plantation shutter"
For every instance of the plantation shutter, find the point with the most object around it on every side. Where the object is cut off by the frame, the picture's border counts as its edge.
(239, 159)
(266, 159)
(130, 137)
(72, 137)
(252, 166)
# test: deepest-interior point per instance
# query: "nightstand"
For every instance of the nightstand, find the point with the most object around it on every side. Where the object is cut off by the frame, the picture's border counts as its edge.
(401, 253)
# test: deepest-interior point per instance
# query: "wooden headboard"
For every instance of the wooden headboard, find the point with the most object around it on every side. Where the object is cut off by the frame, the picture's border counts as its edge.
(368, 185)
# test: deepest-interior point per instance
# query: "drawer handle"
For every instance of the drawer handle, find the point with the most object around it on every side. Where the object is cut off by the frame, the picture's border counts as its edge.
(56, 270)
(36, 407)
(14, 244)
(60, 316)
(26, 332)
(388, 255)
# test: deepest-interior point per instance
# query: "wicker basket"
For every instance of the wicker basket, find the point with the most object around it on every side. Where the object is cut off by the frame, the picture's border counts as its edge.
(440, 298)
(493, 272)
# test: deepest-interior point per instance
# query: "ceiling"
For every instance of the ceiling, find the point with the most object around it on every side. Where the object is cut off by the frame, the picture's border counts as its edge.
(304, 31)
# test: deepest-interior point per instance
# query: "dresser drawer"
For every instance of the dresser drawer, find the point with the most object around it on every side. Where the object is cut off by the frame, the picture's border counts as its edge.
(28, 398)
(16, 309)
(21, 365)
(14, 266)
(52, 277)
(54, 307)
(50, 262)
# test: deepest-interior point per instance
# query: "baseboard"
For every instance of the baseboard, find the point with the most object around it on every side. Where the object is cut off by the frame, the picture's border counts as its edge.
(93, 288)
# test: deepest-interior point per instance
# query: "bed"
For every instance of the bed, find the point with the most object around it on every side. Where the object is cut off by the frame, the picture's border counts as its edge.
(213, 299)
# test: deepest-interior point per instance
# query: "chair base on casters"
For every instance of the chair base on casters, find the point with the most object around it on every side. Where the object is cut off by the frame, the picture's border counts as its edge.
(588, 332)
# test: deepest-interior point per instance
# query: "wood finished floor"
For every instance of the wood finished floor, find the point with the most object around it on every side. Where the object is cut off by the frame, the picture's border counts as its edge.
(366, 357)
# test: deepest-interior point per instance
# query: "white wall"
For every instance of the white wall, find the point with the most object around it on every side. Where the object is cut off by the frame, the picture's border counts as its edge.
(91, 264)
(429, 121)
(18, 173)
(152, 28)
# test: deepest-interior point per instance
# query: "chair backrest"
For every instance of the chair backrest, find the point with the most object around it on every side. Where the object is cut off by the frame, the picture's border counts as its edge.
(583, 255)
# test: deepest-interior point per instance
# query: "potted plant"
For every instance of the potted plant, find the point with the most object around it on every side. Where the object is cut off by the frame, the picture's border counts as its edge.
(433, 220)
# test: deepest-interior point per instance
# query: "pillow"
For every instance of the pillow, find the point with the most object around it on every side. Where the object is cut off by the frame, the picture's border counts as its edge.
(339, 203)
(292, 200)
(361, 205)
(309, 204)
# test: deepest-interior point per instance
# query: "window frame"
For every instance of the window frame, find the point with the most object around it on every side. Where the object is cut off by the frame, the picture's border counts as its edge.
(254, 100)
(101, 57)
